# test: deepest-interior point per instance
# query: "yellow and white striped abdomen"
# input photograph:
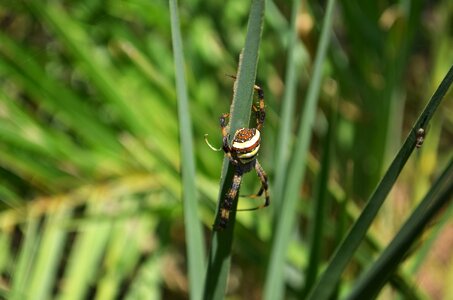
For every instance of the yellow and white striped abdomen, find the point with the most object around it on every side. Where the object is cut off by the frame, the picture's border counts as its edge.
(246, 143)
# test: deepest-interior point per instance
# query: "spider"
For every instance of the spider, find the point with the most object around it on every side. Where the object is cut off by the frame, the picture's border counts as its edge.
(242, 154)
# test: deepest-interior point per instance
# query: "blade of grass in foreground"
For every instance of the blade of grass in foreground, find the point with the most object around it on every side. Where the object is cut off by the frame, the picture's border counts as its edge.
(374, 279)
(329, 279)
(192, 224)
(275, 279)
(220, 253)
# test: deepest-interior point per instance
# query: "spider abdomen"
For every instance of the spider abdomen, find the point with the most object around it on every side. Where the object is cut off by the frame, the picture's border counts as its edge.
(246, 143)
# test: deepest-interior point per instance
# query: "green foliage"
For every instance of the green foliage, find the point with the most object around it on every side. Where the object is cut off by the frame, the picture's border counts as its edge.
(346, 249)
(296, 170)
(192, 224)
(438, 197)
(109, 191)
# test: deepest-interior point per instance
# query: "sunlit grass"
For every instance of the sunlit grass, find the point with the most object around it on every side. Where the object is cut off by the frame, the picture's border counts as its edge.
(105, 179)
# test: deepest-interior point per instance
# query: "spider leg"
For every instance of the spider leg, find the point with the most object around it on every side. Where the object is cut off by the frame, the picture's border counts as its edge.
(264, 188)
(209, 144)
(254, 196)
(260, 110)
(223, 124)
(227, 204)
(225, 146)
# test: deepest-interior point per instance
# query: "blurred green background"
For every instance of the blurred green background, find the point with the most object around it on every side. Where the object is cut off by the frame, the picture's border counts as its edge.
(90, 183)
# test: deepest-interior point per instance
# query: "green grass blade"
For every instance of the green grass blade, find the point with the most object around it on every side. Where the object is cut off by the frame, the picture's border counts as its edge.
(374, 279)
(80, 45)
(20, 64)
(23, 265)
(429, 243)
(407, 288)
(87, 251)
(326, 284)
(318, 220)
(282, 150)
(220, 253)
(275, 280)
(193, 229)
(48, 255)
(147, 283)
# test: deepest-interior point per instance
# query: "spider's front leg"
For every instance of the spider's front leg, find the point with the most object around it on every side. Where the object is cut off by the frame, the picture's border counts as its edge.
(260, 111)
(223, 125)
(225, 145)
(227, 204)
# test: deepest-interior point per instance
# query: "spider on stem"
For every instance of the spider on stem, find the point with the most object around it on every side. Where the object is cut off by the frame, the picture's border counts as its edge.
(242, 155)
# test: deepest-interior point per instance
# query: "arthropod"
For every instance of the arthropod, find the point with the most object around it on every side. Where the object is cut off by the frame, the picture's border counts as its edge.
(243, 156)
(420, 137)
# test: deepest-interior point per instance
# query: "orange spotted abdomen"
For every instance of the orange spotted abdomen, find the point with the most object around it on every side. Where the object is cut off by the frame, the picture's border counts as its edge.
(246, 143)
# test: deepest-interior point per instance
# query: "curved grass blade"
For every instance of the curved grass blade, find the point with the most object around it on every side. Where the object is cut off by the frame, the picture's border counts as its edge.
(220, 253)
(375, 278)
(275, 280)
(193, 229)
(326, 284)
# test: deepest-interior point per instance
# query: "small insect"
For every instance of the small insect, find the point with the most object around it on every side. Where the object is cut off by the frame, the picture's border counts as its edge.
(242, 155)
(420, 138)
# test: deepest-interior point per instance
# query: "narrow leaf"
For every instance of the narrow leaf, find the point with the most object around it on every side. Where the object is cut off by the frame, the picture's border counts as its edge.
(275, 280)
(318, 220)
(220, 253)
(286, 116)
(437, 197)
(326, 284)
(193, 229)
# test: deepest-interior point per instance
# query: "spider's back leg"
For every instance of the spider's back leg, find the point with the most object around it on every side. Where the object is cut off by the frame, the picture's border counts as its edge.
(264, 184)
(264, 188)
(227, 204)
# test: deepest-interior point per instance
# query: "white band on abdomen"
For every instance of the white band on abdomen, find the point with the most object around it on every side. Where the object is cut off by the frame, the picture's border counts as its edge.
(247, 144)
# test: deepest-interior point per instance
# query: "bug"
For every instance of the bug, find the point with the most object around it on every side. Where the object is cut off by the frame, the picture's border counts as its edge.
(420, 137)
(242, 154)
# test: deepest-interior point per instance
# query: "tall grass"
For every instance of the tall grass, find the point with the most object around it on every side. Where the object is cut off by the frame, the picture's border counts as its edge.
(195, 246)
(109, 191)
(296, 171)
(329, 280)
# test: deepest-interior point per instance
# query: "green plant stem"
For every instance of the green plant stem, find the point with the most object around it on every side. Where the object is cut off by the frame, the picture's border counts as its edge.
(193, 229)
(220, 252)
(275, 279)
(318, 220)
(282, 151)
